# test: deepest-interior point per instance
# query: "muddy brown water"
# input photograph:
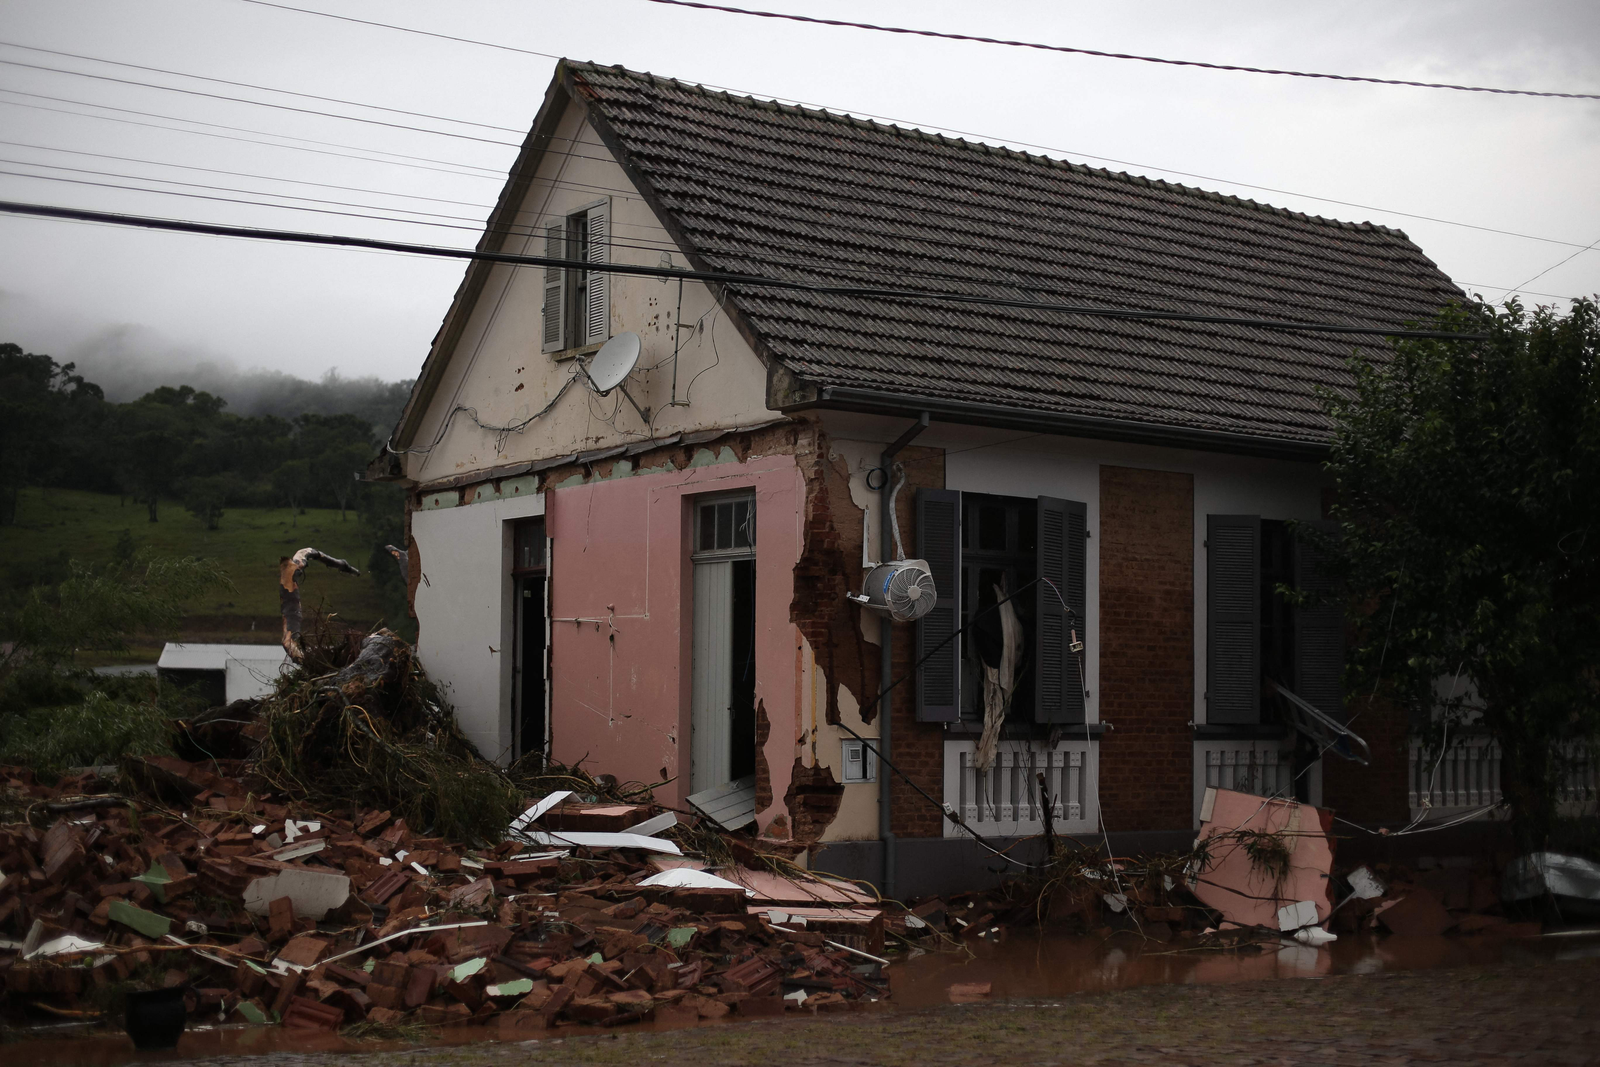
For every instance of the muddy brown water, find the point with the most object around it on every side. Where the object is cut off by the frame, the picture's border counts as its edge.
(1033, 967)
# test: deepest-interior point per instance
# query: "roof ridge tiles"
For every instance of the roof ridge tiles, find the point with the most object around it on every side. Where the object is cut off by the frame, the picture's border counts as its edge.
(983, 147)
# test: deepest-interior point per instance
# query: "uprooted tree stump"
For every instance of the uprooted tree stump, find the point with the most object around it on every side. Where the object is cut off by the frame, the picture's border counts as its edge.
(376, 731)
(290, 568)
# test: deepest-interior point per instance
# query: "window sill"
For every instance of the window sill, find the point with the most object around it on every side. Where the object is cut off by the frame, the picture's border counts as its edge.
(573, 353)
(1241, 732)
(1028, 731)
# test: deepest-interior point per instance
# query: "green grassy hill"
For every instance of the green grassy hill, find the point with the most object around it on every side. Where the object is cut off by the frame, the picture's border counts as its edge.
(54, 524)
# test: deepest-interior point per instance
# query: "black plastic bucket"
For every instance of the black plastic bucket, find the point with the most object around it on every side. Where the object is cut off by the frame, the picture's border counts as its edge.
(156, 1018)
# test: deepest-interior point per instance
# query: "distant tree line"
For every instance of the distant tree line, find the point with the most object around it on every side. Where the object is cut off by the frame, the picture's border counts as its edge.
(177, 445)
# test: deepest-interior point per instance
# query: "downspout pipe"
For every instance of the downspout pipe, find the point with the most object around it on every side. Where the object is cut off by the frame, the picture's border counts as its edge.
(886, 660)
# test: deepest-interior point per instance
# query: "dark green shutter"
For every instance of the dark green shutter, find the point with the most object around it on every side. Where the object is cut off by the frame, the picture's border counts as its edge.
(1059, 685)
(1233, 619)
(939, 543)
(1318, 631)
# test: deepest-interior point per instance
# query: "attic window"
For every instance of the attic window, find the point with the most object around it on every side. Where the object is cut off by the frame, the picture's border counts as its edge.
(577, 303)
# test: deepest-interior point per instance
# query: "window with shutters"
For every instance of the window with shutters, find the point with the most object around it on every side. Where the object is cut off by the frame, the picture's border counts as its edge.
(982, 549)
(1255, 634)
(577, 303)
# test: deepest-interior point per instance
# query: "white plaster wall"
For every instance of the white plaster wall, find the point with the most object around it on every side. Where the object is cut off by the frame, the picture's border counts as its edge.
(464, 608)
(498, 371)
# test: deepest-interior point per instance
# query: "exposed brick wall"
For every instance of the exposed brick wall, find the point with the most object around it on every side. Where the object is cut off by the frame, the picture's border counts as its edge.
(918, 747)
(830, 566)
(1377, 793)
(1146, 648)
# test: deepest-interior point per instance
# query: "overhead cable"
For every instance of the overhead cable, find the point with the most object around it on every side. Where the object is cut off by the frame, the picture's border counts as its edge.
(488, 174)
(262, 88)
(225, 126)
(257, 103)
(718, 277)
(1231, 67)
(930, 126)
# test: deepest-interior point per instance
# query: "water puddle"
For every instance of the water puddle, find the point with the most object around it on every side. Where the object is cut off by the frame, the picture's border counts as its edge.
(1031, 966)
(1044, 965)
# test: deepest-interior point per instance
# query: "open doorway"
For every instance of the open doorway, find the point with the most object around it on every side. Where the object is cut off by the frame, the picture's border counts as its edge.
(723, 685)
(529, 591)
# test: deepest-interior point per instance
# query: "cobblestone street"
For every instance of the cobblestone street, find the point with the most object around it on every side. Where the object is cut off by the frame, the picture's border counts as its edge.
(1525, 1014)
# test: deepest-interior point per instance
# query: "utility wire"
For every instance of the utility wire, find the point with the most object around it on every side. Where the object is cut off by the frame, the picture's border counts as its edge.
(487, 174)
(224, 126)
(1563, 263)
(934, 127)
(717, 277)
(1112, 55)
(262, 88)
(230, 173)
(474, 225)
(258, 103)
(769, 257)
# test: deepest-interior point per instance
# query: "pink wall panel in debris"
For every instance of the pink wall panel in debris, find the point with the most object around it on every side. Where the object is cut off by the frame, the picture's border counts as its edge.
(620, 583)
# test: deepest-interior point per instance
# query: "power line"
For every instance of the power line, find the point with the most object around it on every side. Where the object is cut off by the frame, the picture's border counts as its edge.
(1562, 263)
(215, 188)
(262, 88)
(406, 29)
(233, 200)
(230, 173)
(256, 103)
(716, 277)
(489, 172)
(767, 258)
(1111, 55)
(945, 129)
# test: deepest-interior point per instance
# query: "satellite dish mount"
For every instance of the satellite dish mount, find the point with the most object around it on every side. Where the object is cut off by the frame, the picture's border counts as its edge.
(609, 368)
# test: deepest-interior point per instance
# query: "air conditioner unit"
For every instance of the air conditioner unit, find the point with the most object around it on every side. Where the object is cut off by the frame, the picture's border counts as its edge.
(902, 589)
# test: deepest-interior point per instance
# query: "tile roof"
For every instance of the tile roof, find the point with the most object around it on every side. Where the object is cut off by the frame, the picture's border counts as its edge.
(758, 187)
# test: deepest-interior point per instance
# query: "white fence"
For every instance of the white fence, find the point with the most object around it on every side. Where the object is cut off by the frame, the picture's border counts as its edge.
(1263, 766)
(1263, 769)
(1467, 776)
(1004, 801)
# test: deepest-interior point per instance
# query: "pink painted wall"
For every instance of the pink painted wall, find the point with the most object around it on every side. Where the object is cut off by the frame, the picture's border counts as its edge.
(620, 566)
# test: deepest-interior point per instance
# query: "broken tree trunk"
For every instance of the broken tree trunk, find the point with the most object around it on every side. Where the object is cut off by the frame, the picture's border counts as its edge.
(289, 570)
(402, 557)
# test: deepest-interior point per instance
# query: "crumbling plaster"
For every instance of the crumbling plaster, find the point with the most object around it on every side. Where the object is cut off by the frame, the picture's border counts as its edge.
(498, 376)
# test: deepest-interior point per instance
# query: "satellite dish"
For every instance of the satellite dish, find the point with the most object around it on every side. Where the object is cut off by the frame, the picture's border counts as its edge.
(614, 362)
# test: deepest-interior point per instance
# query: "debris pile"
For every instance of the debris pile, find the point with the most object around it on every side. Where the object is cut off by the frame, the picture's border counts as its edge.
(338, 854)
(264, 910)
(1262, 870)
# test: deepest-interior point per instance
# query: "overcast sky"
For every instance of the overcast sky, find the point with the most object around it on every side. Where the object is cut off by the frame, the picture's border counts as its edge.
(1518, 164)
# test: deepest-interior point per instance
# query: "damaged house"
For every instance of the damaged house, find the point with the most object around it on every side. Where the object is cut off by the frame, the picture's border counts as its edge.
(644, 559)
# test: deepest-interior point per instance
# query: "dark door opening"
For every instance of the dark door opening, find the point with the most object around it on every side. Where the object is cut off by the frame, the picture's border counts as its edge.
(529, 578)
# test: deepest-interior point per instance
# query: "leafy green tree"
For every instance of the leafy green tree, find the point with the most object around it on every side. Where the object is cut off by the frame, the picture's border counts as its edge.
(53, 716)
(1468, 480)
(40, 402)
(340, 470)
(292, 482)
(205, 497)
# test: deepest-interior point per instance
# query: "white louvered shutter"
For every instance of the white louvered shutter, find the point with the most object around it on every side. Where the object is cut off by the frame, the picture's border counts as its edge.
(1233, 619)
(555, 289)
(597, 324)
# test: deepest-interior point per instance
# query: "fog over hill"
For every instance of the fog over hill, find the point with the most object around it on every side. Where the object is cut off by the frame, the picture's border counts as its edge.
(129, 360)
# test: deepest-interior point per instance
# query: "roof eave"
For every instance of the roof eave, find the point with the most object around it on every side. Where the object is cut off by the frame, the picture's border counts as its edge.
(875, 402)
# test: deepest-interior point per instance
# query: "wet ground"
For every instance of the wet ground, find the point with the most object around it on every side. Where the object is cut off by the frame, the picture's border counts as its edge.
(1055, 1000)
